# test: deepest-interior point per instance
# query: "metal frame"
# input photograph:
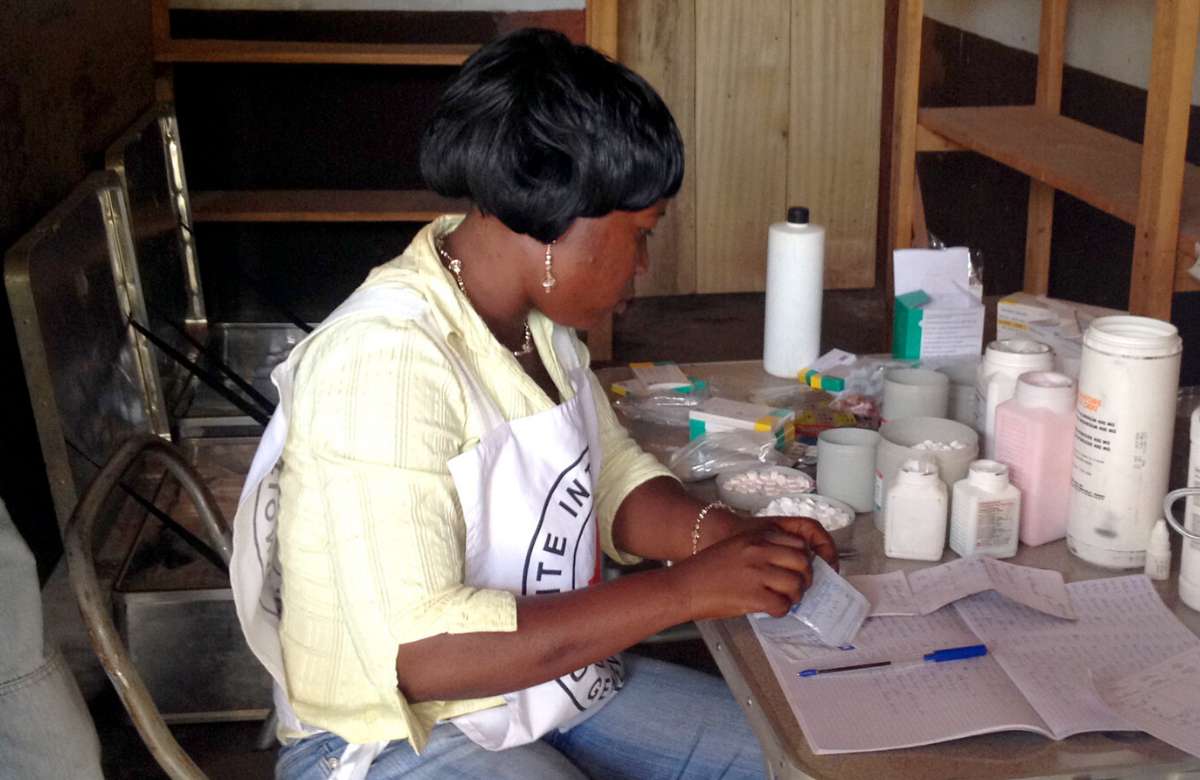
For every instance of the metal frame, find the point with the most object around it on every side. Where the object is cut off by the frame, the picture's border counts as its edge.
(78, 542)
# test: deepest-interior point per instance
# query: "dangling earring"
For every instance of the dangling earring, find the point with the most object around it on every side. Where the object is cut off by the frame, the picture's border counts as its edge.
(549, 280)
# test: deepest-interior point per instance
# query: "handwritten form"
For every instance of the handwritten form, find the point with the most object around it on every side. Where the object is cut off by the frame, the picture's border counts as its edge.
(1123, 627)
(931, 589)
(1164, 700)
(1035, 678)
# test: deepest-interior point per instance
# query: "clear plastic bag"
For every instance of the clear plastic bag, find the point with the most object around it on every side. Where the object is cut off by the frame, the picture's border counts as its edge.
(707, 455)
(830, 614)
(666, 408)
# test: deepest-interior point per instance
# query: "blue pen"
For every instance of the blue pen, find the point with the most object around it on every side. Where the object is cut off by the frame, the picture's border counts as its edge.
(936, 657)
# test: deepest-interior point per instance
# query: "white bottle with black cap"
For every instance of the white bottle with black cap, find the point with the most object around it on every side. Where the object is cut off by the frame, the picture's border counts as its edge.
(795, 284)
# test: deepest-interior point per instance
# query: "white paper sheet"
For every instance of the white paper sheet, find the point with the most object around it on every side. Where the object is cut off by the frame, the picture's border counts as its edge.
(1041, 589)
(931, 589)
(889, 594)
(1163, 700)
(1036, 677)
(1122, 628)
(830, 613)
(899, 707)
(932, 270)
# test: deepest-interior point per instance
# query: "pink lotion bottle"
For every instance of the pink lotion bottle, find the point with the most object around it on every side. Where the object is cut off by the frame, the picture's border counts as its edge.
(1035, 438)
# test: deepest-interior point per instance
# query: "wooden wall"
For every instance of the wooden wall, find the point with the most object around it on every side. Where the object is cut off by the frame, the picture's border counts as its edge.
(73, 75)
(779, 105)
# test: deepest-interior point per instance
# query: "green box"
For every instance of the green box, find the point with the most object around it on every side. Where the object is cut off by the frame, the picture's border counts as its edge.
(906, 325)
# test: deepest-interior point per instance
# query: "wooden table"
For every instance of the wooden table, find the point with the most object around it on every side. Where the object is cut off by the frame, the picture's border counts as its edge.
(1116, 756)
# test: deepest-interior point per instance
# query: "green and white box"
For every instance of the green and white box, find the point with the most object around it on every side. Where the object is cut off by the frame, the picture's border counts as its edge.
(722, 414)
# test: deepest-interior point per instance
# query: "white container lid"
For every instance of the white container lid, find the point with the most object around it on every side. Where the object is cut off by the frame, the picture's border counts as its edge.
(991, 475)
(1128, 336)
(923, 471)
(1045, 390)
(1019, 353)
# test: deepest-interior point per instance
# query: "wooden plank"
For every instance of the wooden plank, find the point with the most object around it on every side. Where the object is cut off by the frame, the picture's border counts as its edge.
(1099, 168)
(322, 206)
(834, 129)
(658, 40)
(300, 52)
(601, 22)
(929, 141)
(160, 23)
(1040, 222)
(742, 97)
(1176, 23)
(904, 125)
(1038, 228)
(1052, 36)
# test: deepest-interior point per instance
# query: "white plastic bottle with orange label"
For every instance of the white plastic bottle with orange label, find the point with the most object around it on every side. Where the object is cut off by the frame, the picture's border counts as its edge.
(1124, 422)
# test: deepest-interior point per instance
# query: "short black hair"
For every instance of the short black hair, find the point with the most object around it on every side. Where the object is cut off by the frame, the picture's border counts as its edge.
(539, 131)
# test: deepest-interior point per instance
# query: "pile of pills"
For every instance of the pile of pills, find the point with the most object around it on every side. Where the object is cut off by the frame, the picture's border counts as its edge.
(939, 446)
(769, 483)
(829, 516)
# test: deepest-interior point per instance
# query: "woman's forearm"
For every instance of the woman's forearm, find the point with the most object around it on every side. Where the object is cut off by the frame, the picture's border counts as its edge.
(762, 570)
(558, 634)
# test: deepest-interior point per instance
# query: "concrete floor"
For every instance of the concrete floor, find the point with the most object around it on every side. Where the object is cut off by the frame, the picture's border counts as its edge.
(683, 329)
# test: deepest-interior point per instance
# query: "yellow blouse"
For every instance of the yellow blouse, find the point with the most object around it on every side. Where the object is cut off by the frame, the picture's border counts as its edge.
(371, 535)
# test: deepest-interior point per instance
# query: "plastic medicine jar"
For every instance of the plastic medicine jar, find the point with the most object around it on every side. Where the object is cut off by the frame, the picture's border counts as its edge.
(1003, 362)
(986, 512)
(1035, 438)
(916, 513)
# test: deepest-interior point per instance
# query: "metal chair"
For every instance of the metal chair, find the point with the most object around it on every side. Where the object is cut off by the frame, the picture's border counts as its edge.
(78, 543)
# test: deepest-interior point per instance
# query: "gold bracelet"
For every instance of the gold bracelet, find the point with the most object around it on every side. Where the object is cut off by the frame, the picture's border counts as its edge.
(700, 519)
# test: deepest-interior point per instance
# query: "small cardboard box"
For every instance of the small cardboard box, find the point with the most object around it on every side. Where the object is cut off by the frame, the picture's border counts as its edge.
(1058, 324)
(722, 414)
(1016, 313)
(937, 327)
(937, 313)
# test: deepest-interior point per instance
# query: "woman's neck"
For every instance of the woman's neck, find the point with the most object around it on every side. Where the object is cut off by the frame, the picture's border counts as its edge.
(491, 274)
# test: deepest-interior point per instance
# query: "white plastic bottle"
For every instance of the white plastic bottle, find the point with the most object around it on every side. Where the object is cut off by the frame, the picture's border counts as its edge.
(795, 285)
(916, 513)
(987, 511)
(1189, 559)
(1158, 552)
(1035, 438)
(1125, 415)
(1003, 362)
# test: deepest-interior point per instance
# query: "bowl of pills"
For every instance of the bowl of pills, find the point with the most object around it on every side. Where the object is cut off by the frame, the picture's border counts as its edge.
(753, 488)
(833, 515)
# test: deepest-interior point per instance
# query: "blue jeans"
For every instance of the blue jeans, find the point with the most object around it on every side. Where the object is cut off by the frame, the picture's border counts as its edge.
(667, 722)
(46, 732)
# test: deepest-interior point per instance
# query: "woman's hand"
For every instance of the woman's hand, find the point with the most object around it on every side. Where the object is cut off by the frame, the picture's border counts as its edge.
(765, 568)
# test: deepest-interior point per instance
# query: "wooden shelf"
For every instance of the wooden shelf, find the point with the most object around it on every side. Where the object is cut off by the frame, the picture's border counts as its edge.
(322, 206)
(297, 52)
(1099, 168)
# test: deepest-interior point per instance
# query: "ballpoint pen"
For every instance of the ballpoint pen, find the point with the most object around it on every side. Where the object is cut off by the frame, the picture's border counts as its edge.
(938, 656)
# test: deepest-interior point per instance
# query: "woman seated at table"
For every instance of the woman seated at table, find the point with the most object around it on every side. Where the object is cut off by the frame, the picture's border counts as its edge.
(452, 468)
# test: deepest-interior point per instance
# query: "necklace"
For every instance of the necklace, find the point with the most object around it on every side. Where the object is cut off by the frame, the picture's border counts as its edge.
(455, 266)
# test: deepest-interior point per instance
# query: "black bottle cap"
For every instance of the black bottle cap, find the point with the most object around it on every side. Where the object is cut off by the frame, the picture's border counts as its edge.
(798, 215)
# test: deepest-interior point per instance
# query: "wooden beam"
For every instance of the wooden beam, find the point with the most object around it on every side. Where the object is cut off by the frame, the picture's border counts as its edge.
(160, 24)
(602, 21)
(929, 141)
(904, 124)
(1040, 222)
(322, 206)
(1176, 23)
(306, 52)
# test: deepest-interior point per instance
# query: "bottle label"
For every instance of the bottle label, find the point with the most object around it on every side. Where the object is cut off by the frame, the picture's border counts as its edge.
(997, 524)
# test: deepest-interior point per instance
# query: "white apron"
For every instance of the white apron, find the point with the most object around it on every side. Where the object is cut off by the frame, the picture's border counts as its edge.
(528, 498)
